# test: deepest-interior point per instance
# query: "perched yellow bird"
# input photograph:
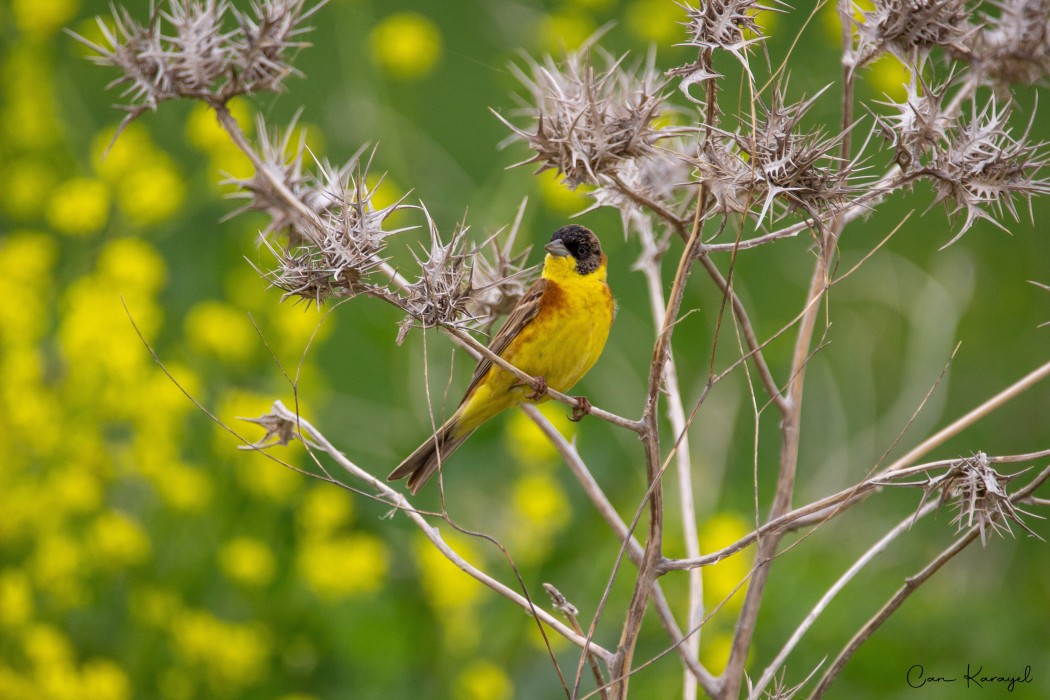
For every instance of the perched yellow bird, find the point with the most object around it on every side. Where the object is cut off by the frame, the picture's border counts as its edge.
(555, 333)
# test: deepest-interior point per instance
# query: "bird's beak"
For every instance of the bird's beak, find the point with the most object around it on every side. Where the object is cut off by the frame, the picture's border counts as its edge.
(557, 249)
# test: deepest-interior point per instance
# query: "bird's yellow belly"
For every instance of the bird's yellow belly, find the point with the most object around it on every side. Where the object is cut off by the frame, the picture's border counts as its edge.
(561, 350)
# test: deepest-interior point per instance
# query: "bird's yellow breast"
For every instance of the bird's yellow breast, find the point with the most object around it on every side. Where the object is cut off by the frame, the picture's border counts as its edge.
(560, 344)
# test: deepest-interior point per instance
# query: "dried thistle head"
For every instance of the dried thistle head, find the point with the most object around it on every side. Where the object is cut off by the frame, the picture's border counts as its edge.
(731, 180)
(193, 49)
(726, 25)
(797, 168)
(981, 167)
(587, 123)
(1013, 46)
(499, 277)
(911, 29)
(442, 293)
(976, 492)
(917, 124)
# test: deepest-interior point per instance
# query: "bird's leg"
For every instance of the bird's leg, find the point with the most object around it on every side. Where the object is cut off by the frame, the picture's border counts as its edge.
(539, 389)
(582, 408)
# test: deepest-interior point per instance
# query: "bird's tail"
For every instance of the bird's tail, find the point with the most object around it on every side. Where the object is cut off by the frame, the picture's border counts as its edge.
(421, 464)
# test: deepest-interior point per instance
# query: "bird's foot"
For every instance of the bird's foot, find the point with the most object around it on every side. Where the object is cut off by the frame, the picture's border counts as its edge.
(539, 389)
(582, 408)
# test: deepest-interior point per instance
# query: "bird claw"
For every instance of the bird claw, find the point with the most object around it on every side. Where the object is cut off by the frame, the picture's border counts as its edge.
(581, 409)
(539, 389)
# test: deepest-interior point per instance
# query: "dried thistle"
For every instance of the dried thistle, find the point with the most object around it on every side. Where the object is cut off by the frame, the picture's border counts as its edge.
(1013, 47)
(976, 493)
(588, 123)
(442, 294)
(499, 277)
(981, 167)
(193, 49)
(727, 25)
(911, 29)
(918, 123)
(800, 169)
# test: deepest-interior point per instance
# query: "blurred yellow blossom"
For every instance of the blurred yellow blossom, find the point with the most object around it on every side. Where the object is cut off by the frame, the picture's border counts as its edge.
(27, 259)
(156, 607)
(102, 679)
(57, 567)
(655, 21)
(889, 76)
(39, 19)
(324, 510)
(343, 566)
(721, 530)
(448, 587)
(184, 488)
(247, 561)
(541, 502)
(715, 649)
(27, 184)
(221, 330)
(151, 192)
(16, 599)
(117, 541)
(204, 132)
(28, 112)
(527, 442)
(564, 30)
(557, 195)
(232, 655)
(45, 645)
(484, 680)
(132, 265)
(406, 44)
(79, 206)
(177, 684)
(76, 490)
(113, 160)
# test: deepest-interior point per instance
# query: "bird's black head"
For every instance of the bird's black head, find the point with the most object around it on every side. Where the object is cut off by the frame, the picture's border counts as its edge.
(580, 243)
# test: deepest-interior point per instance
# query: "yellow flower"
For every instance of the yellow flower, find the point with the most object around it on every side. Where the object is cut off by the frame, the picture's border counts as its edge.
(232, 655)
(564, 31)
(557, 195)
(27, 259)
(40, 19)
(156, 607)
(541, 502)
(406, 44)
(79, 206)
(343, 566)
(16, 599)
(484, 680)
(113, 160)
(448, 588)
(183, 488)
(118, 542)
(715, 649)
(247, 561)
(323, 511)
(56, 566)
(152, 192)
(27, 183)
(204, 132)
(655, 21)
(221, 330)
(527, 442)
(720, 579)
(889, 76)
(132, 265)
(46, 646)
(102, 679)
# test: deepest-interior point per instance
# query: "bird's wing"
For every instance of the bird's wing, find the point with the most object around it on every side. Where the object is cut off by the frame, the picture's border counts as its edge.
(520, 315)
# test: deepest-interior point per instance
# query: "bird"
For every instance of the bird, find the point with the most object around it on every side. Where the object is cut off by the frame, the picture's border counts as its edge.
(555, 333)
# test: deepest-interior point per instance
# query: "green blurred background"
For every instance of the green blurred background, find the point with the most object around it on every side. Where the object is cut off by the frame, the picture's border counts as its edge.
(143, 556)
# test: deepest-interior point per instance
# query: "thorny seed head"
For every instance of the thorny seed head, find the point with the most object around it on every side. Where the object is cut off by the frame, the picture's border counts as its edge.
(1013, 46)
(977, 492)
(981, 167)
(330, 236)
(917, 124)
(910, 29)
(499, 279)
(731, 181)
(443, 293)
(785, 164)
(191, 49)
(586, 123)
(727, 25)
